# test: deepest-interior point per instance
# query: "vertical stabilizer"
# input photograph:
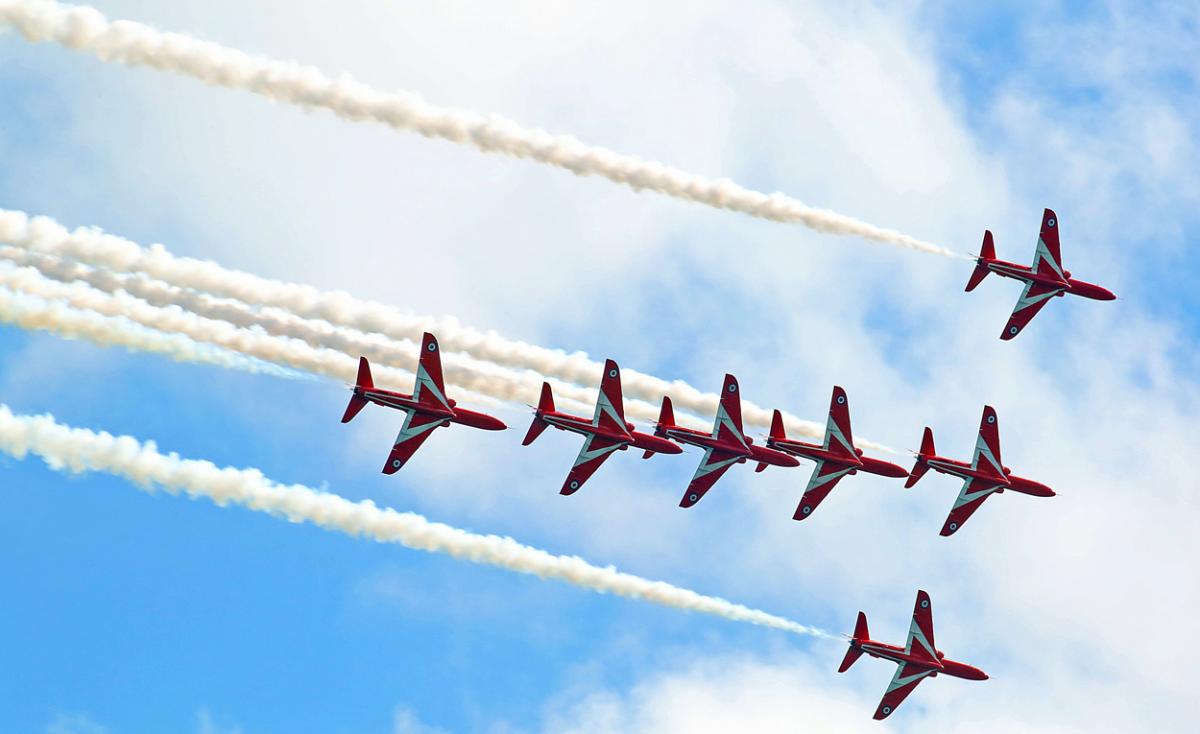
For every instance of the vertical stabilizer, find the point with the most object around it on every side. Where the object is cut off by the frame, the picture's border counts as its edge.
(855, 652)
(986, 253)
(923, 455)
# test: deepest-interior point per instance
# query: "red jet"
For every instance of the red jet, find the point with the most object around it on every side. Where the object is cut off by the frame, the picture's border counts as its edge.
(917, 660)
(606, 432)
(982, 477)
(725, 446)
(836, 456)
(1043, 281)
(427, 408)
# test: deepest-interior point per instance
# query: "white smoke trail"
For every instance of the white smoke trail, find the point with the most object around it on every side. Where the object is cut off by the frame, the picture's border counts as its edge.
(31, 312)
(165, 307)
(85, 29)
(479, 381)
(78, 450)
(45, 236)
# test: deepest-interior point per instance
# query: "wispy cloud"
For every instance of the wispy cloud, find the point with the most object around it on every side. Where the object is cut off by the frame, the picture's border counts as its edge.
(85, 29)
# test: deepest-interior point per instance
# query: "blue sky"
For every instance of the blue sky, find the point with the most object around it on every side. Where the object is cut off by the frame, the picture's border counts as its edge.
(127, 612)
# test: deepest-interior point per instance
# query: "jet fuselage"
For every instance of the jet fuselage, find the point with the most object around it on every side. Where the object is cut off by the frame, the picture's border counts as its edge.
(817, 452)
(584, 427)
(454, 414)
(963, 470)
(1070, 285)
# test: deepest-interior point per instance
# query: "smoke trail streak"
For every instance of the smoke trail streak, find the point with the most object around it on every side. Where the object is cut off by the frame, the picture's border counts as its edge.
(31, 312)
(78, 450)
(85, 29)
(480, 381)
(343, 311)
(166, 307)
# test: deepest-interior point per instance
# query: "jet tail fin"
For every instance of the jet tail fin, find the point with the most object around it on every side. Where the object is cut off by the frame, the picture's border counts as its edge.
(363, 381)
(777, 430)
(364, 374)
(545, 405)
(922, 466)
(666, 415)
(855, 652)
(987, 252)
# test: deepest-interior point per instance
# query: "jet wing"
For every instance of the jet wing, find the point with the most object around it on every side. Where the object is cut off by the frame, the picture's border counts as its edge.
(1032, 299)
(920, 632)
(595, 450)
(727, 425)
(838, 437)
(430, 389)
(417, 427)
(1047, 259)
(972, 495)
(824, 478)
(903, 682)
(712, 466)
(610, 407)
(987, 444)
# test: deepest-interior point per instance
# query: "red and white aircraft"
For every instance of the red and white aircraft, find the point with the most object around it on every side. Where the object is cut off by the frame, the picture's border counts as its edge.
(1043, 281)
(427, 408)
(836, 456)
(984, 476)
(606, 432)
(917, 660)
(727, 445)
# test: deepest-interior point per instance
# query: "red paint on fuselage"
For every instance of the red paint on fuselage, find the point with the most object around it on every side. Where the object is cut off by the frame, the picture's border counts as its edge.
(963, 470)
(1024, 273)
(897, 655)
(816, 452)
(584, 427)
(403, 401)
(750, 451)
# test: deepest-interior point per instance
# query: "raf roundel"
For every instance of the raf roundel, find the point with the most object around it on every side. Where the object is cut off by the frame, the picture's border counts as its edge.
(924, 603)
(953, 526)
(575, 485)
(841, 399)
(732, 387)
(692, 498)
(612, 373)
(397, 463)
(991, 419)
(432, 346)
(887, 710)
(806, 509)
(1013, 330)
(1050, 222)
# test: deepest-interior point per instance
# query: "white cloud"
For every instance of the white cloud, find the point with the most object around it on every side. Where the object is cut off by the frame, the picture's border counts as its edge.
(1077, 604)
(75, 724)
(406, 721)
(207, 724)
(717, 695)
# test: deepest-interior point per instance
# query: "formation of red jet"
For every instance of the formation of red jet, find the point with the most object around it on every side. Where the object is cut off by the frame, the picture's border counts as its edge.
(607, 432)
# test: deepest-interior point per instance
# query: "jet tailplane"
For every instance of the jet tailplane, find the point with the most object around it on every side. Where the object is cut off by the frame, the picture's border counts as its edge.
(545, 405)
(987, 252)
(855, 652)
(922, 465)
